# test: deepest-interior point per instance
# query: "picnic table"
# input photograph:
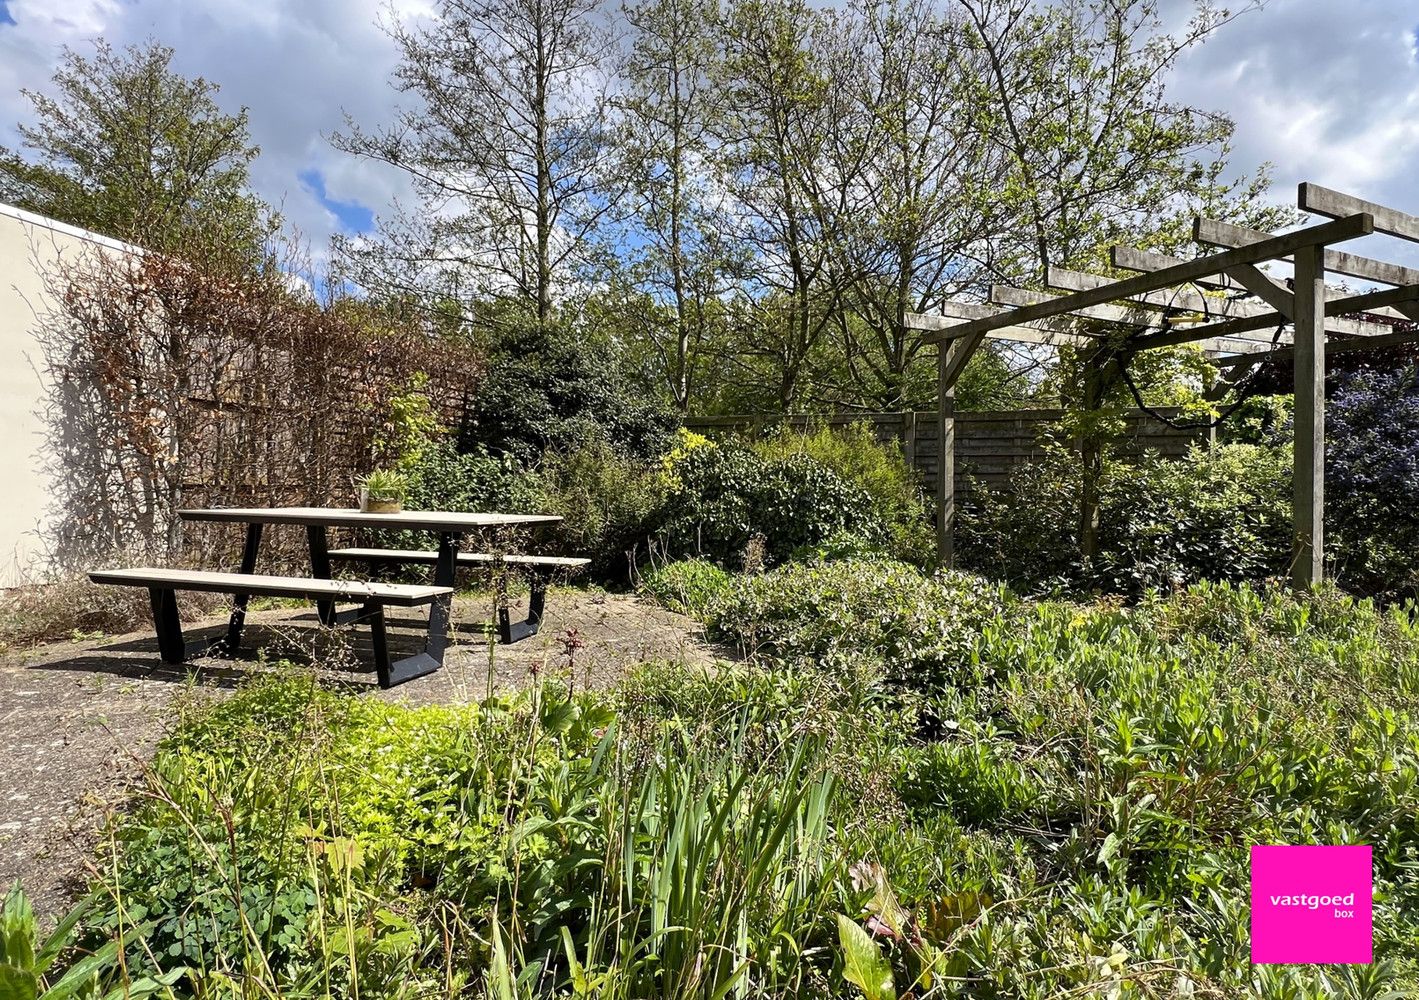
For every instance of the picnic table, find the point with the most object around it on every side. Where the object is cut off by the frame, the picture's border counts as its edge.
(449, 526)
(372, 597)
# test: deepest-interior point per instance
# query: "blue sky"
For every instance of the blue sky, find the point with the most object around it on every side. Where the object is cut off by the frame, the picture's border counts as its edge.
(351, 215)
(1327, 91)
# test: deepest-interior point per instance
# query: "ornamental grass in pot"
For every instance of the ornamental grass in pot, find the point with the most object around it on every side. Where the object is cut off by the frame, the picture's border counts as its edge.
(383, 492)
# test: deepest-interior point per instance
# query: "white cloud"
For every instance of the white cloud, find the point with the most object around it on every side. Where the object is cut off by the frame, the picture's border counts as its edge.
(298, 66)
(1327, 91)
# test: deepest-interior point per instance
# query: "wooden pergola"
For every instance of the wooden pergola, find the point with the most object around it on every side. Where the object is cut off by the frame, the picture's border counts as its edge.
(1223, 302)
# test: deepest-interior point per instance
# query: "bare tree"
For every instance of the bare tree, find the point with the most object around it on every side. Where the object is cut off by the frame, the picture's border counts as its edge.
(675, 252)
(504, 142)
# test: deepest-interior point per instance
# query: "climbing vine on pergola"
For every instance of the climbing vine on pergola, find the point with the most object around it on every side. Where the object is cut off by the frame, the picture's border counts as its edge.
(1225, 303)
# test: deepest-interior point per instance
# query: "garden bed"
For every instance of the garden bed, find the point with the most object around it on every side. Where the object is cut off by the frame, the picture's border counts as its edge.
(916, 784)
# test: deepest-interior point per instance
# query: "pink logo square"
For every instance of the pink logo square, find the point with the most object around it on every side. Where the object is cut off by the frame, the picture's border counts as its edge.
(1311, 904)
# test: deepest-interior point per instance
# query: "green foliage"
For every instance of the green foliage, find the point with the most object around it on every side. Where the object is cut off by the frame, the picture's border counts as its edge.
(439, 477)
(299, 837)
(923, 629)
(553, 390)
(411, 427)
(26, 961)
(728, 496)
(385, 484)
(610, 504)
(880, 470)
(129, 148)
(689, 586)
(1077, 821)
(443, 478)
(1219, 514)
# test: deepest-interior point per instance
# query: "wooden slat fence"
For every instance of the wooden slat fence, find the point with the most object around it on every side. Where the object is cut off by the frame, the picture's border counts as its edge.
(990, 445)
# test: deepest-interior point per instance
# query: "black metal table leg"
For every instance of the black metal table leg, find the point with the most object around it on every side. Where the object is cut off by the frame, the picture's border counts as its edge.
(509, 631)
(320, 569)
(441, 613)
(171, 645)
(248, 565)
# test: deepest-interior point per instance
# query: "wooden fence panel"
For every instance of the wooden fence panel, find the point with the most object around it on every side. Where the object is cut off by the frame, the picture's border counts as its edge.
(990, 445)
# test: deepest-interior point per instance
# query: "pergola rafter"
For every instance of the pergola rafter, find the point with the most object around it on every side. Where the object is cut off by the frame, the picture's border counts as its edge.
(1225, 304)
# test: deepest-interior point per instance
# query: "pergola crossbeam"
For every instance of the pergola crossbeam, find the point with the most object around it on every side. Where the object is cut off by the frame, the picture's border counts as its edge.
(1329, 232)
(1186, 299)
(1006, 295)
(1285, 354)
(1054, 331)
(1334, 320)
(1319, 200)
(1127, 258)
(1225, 234)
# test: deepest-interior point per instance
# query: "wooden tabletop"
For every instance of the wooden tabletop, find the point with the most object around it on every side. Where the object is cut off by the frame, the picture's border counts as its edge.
(348, 517)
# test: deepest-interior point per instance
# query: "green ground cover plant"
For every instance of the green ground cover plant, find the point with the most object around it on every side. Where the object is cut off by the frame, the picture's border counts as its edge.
(915, 786)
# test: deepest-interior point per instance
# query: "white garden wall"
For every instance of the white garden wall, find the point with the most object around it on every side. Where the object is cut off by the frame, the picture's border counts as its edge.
(30, 247)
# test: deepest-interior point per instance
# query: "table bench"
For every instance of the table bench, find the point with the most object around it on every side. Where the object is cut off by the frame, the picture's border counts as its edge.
(373, 597)
(539, 569)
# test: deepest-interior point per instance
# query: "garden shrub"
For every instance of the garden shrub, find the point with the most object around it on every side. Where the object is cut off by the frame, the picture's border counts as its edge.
(611, 505)
(923, 628)
(439, 477)
(881, 470)
(442, 478)
(553, 389)
(1372, 482)
(1221, 513)
(689, 586)
(726, 496)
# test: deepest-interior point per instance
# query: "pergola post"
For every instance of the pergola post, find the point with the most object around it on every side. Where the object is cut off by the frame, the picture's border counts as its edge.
(945, 461)
(1091, 461)
(1308, 537)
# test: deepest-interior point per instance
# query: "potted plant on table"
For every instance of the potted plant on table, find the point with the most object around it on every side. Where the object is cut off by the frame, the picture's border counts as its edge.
(383, 491)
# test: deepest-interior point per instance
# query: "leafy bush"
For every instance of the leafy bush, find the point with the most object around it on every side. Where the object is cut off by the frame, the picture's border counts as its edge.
(1372, 481)
(922, 628)
(724, 497)
(442, 478)
(690, 586)
(611, 505)
(1219, 514)
(554, 390)
(438, 477)
(857, 457)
